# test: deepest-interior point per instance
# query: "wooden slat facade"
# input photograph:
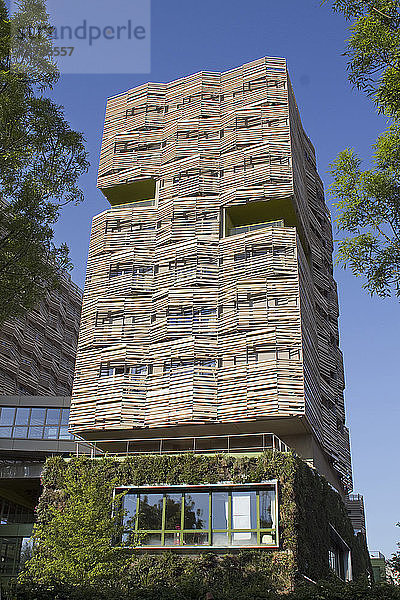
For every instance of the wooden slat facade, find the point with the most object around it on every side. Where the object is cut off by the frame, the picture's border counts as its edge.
(37, 350)
(192, 315)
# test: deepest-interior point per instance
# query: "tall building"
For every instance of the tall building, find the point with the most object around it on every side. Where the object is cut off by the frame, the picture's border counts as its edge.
(37, 359)
(210, 307)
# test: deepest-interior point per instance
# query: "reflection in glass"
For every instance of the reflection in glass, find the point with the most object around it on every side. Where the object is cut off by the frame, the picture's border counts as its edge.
(20, 432)
(7, 416)
(130, 506)
(244, 515)
(195, 539)
(269, 539)
(173, 508)
(220, 539)
(172, 539)
(51, 433)
(151, 539)
(64, 416)
(38, 416)
(196, 511)
(35, 432)
(220, 510)
(26, 551)
(9, 550)
(53, 416)
(22, 416)
(150, 511)
(129, 518)
(65, 434)
(5, 432)
(244, 538)
(267, 511)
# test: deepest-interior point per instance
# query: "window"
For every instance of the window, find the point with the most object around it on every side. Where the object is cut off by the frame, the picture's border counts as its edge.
(7, 416)
(107, 370)
(34, 423)
(122, 147)
(339, 556)
(126, 268)
(187, 315)
(255, 300)
(221, 515)
(113, 318)
(274, 301)
(188, 365)
(10, 512)
(207, 216)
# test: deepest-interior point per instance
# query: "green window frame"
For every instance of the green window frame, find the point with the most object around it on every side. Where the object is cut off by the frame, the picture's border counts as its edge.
(244, 525)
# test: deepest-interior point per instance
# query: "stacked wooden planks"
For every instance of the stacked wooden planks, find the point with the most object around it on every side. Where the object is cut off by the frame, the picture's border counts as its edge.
(37, 351)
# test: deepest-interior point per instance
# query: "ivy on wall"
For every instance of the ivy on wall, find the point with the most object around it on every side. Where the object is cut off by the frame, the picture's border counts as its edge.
(75, 529)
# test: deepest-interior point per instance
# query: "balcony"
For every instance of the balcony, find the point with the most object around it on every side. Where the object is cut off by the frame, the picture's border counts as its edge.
(228, 444)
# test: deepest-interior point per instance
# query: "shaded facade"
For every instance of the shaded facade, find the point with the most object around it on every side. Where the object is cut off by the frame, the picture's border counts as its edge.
(355, 508)
(37, 350)
(37, 359)
(210, 306)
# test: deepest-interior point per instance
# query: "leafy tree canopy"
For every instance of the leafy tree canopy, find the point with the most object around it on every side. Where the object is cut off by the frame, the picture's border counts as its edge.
(369, 201)
(41, 159)
(394, 563)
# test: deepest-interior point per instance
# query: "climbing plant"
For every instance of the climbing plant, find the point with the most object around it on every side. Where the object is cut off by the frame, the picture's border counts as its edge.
(76, 527)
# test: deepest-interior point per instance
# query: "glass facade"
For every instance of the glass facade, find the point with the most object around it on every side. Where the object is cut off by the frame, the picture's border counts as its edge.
(10, 512)
(213, 515)
(14, 552)
(10, 552)
(34, 423)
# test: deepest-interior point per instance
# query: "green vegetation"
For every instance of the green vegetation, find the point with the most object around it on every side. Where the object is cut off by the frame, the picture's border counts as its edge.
(41, 158)
(394, 562)
(75, 558)
(369, 201)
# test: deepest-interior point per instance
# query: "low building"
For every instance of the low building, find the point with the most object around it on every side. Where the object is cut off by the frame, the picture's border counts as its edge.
(267, 513)
(378, 562)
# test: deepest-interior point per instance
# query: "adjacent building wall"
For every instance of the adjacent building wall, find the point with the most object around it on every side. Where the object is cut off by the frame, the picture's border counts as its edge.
(37, 350)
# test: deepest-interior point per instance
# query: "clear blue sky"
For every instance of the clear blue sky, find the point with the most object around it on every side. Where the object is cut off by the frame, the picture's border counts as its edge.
(220, 34)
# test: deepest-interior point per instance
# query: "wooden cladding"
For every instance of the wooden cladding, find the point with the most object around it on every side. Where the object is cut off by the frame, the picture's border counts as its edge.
(37, 350)
(209, 294)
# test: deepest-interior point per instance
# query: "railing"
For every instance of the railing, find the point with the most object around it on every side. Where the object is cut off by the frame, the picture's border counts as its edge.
(355, 497)
(254, 227)
(208, 444)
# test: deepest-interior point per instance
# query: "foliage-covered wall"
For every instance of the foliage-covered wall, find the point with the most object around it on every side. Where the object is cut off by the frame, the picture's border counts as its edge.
(317, 506)
(75, 529)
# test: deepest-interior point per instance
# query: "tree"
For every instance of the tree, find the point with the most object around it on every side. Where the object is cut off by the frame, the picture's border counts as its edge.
(73, 536)
(41, 159)
(369, 201)
(394, 563)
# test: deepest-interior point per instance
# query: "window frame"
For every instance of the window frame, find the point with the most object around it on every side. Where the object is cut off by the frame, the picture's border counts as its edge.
(29, 430)
(228, 487)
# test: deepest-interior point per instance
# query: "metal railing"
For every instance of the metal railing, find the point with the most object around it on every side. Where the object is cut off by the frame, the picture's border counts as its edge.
(207, 444)
(355, 497)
